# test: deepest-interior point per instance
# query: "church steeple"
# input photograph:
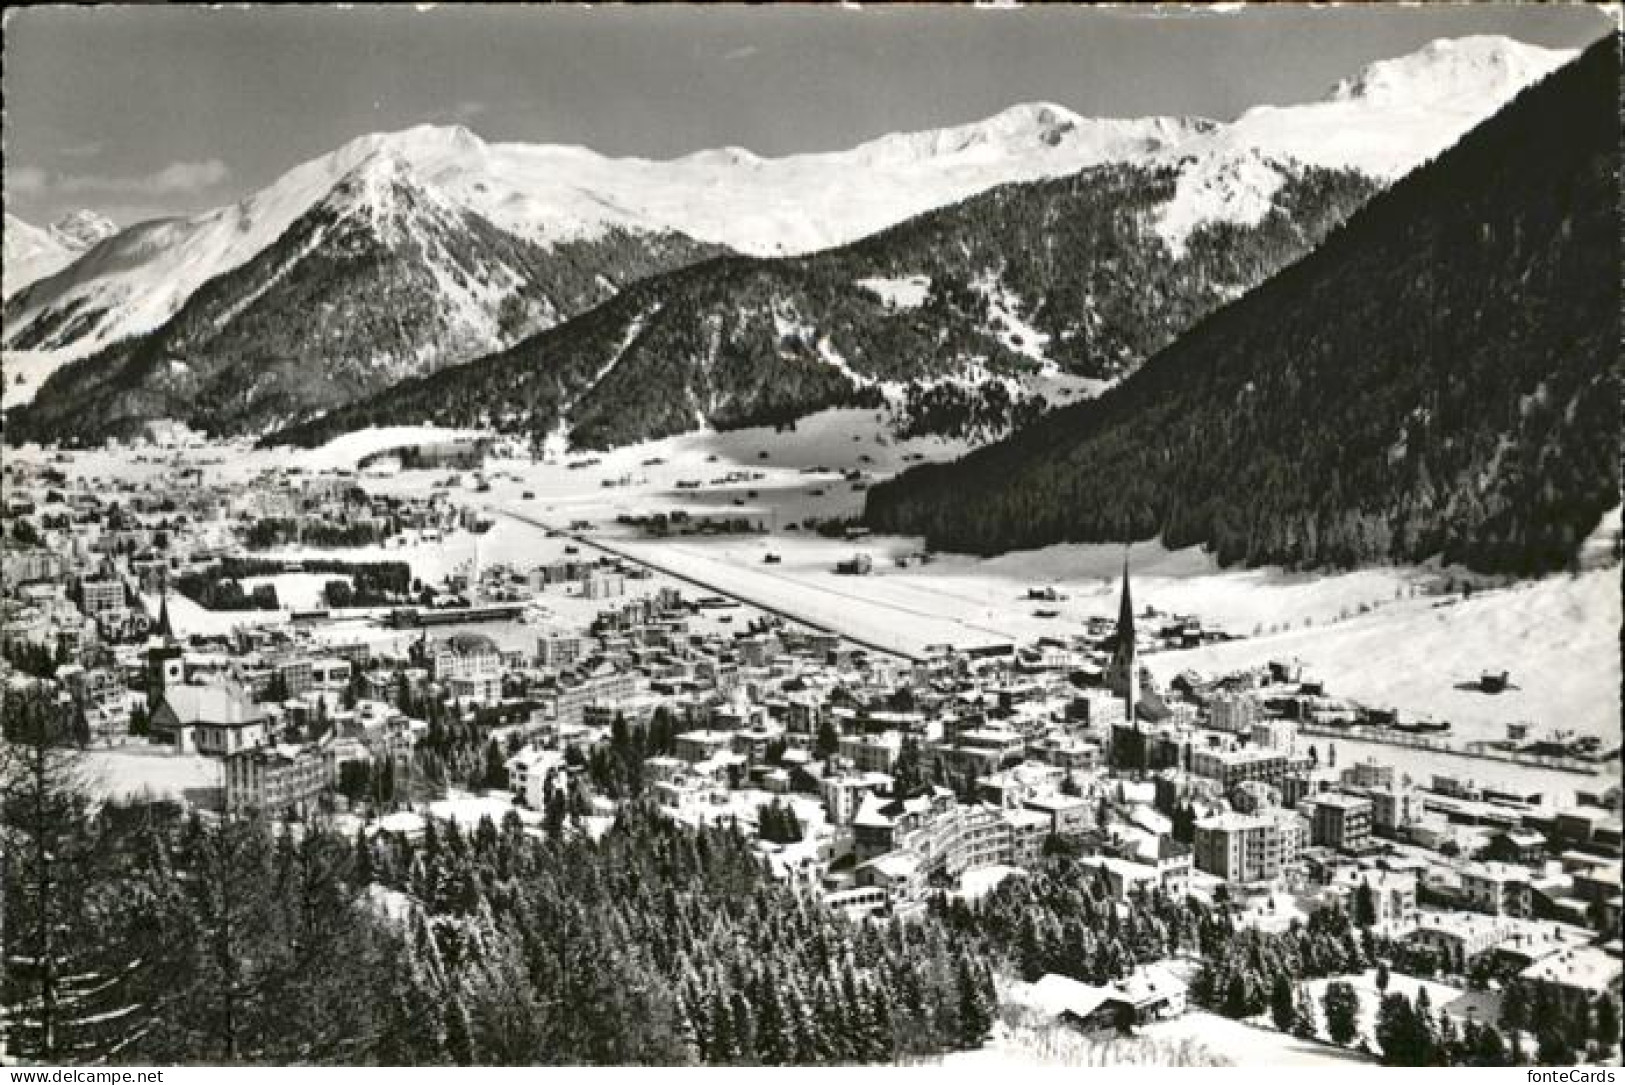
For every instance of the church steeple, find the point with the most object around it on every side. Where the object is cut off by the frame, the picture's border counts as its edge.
(165, 630)
(165, 665)
(1125, 609)
(1124, 675)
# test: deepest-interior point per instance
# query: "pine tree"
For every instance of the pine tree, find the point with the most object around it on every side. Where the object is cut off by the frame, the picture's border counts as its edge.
(1607, 1022)
(1427, 1039)
(1396, 1031)
(827, 742)
(975, 1005)
(1282, 1009)
(64, 986)
(1342, 1008)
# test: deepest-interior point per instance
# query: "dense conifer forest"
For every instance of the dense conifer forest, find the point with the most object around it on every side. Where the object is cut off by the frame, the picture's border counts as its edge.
(1440, 378)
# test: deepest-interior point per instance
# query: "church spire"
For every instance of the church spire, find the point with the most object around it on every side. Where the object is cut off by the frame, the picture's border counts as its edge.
(1125, 609)
(1125, 668)
(165, 630)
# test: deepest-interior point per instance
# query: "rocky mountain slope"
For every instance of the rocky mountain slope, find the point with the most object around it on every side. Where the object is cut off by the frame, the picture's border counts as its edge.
(1440, 378)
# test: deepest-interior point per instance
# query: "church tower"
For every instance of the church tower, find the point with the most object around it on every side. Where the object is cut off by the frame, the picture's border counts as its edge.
(165, 667)
(1123, 675)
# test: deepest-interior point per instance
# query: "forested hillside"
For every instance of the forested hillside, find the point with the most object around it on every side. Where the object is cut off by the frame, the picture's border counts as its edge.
(1069, 273)
(1441, 377)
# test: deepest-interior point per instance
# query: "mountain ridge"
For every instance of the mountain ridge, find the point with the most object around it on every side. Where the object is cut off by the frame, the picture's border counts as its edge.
(733, 198)
(1034, 284)
(1439, 378)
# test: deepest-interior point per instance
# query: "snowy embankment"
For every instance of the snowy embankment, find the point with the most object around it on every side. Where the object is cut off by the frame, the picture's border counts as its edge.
(1195, 1038)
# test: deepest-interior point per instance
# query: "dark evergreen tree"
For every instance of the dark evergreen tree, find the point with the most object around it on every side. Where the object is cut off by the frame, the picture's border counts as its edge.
(1341, 1004)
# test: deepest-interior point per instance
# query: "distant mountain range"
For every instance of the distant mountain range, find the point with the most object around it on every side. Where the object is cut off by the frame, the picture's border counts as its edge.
(32, 253)
(1021, 285)
(1441, 377)
(400, 254)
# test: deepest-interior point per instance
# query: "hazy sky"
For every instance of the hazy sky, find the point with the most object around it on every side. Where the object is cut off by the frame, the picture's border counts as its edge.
(144, 111)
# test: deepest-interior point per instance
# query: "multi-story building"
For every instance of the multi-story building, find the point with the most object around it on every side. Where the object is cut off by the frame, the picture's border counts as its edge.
(529, 771)
(469, 666)
(844, 794)
(1274, 734)
(884, 824)
(1393, 808)
(1249, 847)
(466, 655)
(1072, 754)
(610, 688)
(696, 746)
(1068, 815)
(1392, 893)
(1495, 888)
(101, 596)
(1230, 767)
(278, 780)
(1341, 821)
(603, 586)
(560, 650)
(330, 673)
(1368, 774)
(20, 566)
(872, 753)
(1233, 712)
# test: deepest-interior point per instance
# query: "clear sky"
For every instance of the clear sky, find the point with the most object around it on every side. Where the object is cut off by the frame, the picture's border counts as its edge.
(144, 111)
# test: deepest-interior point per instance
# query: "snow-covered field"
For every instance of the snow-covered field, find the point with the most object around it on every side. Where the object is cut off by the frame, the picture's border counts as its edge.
(1365, 986)
(1195, 1038)
(1246, 1045)
(136, 769)
(1558, 636)
(296, 591)
(187, 618)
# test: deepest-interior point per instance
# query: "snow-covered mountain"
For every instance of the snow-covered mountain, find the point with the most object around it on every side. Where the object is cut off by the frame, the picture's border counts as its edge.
(83, 228)
(265, 312)
(384, 277)
(32, 253)
(549, 195)
(1382, 121)
(1395, 114)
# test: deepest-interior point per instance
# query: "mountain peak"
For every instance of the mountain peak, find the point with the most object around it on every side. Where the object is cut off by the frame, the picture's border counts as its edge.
(83, 229)
(1452, 68)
